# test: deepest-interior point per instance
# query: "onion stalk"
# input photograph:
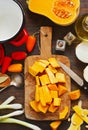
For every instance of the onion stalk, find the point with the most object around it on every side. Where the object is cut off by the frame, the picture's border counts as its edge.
(15, 113)
(8, 100)
(11, 106)
(23, 123)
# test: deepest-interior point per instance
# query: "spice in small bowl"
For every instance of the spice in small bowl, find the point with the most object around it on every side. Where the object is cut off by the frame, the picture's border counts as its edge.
(60, 45)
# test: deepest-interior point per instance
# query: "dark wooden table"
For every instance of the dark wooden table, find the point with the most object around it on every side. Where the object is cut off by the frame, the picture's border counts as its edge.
(33, 22)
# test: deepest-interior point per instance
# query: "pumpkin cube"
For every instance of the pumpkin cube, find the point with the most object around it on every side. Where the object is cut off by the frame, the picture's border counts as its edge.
(42, 108)
(44, 79)
(37, 66)
(34, 105)
(63, 113)
(53, 62)
(57, 101)
(44, 62)
(54, 94)
(37, 95)
(55, 124)
(52, 87)
(47, 94)
(74, 95)
(61, 77)
(52, 108)
(52, 78)
(42, 97)
(52, 69)
(37, 80)
(61, 89)
(32, 71)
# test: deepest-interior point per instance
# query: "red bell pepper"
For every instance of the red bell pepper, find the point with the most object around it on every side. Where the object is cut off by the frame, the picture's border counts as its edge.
(6, 63)
(1, 54)
(18, 55)
(30, 43)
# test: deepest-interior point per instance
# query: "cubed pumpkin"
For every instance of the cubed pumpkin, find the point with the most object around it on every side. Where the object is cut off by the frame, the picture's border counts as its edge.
(44, 79)
(57, 101)
(61, 77)
(63, 113)
(55, 124)
(34, 105)
(74, 95)
(61, 89)
(53, 62)
(52, 108)
(41, 108)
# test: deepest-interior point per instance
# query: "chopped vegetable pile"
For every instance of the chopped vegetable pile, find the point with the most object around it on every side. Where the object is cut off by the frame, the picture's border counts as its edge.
(50, 87)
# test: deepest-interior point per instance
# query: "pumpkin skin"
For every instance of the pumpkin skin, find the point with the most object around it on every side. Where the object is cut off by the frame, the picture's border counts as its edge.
(56, 9)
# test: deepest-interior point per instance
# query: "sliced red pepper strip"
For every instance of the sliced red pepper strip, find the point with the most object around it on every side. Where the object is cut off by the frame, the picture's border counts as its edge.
(18, 55)
(30, 43)
(6, 63)
(1, 54)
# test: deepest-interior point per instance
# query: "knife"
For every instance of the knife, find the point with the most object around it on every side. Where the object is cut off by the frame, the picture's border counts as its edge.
(73, 75)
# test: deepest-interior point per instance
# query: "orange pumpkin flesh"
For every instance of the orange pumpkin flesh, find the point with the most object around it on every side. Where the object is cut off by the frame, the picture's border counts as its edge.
(62, 12)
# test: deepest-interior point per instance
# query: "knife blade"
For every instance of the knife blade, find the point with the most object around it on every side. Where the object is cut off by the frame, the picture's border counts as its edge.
(72, 74)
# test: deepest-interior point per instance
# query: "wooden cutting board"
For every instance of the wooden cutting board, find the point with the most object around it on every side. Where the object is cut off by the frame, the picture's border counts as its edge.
(45, 53)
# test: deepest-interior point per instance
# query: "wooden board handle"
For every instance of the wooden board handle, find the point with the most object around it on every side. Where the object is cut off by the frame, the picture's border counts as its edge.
(45, 41)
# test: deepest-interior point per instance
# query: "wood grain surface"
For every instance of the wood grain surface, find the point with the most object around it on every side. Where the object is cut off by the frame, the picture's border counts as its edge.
(33, 22)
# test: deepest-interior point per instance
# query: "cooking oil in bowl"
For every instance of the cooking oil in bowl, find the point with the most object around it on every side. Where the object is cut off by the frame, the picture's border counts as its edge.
(81, 27)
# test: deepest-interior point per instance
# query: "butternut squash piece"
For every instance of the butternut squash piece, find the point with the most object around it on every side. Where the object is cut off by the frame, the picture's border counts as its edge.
(52, 87)
(44, 79)
(42, 97)
(52, 78)
(74, 95)
(55, 124)
(37, 80)
(45, 62)
(60, 77)
(52, 69)
(52, 108)
(63, 113)
(47, 94)
(37, 95)
(61, 12)
(53, 62)
(61, 89)
(57, 101)
(32, 71)
(54, 94)
(34, 105)
(39, 67)
(42, 108)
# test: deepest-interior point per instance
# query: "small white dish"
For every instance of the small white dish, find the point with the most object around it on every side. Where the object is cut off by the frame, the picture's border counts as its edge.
(81, 52)
(85, 73)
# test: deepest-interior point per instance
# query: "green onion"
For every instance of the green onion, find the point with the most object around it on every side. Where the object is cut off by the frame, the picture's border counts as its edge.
(15, 113)
(11, 106)
(8, 100)
(16, 121)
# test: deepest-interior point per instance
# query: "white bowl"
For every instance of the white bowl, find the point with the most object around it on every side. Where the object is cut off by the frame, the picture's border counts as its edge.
(11, 19)
(81, 52)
